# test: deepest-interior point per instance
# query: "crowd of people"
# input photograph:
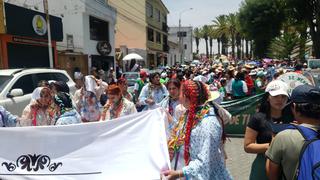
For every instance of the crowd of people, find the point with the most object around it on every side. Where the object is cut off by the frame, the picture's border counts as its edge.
(190, 96)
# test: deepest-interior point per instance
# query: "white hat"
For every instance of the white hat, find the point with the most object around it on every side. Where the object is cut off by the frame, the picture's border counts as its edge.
(277, 87)
(253, 73)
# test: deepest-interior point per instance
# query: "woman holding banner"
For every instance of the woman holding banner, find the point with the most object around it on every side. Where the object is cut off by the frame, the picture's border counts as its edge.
(117, 105)
(259, 132)
(195, 143)
(38, 112)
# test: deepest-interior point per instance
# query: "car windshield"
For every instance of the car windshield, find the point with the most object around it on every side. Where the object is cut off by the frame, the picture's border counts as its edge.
(4, 80)
(131, 78)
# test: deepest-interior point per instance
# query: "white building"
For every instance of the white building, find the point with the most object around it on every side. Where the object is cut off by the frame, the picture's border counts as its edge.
(88, 32)
(174, 53)
(185, 46)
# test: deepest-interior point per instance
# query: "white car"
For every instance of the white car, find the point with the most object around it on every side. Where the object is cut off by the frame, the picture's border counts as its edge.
(17, 85)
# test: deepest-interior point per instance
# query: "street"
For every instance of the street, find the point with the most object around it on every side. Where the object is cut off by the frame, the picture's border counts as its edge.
(238, 162)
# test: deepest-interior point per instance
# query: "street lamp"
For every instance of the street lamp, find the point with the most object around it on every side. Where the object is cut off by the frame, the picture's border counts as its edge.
(179, 32)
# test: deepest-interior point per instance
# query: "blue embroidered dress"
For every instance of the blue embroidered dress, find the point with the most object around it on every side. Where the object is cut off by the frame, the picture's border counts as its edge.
(6, 118)
(69, 117)
(157, 94)
(206, 155)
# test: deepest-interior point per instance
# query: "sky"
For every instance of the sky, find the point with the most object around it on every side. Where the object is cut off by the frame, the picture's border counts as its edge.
(203, 12)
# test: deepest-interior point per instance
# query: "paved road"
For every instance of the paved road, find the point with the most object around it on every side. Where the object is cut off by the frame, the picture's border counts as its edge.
(238, 162)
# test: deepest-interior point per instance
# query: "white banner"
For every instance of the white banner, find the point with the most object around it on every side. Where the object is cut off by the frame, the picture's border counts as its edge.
(132, 147)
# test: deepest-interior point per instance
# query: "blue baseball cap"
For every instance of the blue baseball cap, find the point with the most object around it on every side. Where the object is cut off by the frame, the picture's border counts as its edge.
(306, 94)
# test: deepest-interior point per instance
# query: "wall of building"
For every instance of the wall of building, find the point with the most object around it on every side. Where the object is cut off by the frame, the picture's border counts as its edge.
(187, 53)
(174, 54)
(131, 23)
(98, 11)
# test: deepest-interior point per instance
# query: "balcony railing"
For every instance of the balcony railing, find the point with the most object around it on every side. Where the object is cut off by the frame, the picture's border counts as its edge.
(165, 27)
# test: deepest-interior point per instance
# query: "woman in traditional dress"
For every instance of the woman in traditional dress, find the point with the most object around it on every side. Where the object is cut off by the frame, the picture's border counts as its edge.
(123, 84)
(38, 112)
(195, 143)
(65, 112)
(170, 103)
(116, 105)
(153, 93)
(90, 110)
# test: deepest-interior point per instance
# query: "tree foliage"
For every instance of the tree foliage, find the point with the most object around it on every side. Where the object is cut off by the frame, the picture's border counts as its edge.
(261, 20)
(197, 36)
(282, 47)
(307, 11)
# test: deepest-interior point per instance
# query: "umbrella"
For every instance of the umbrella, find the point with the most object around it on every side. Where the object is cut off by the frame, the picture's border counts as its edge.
(132, 56)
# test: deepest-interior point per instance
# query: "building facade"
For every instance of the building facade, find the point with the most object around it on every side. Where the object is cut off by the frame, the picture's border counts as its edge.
(185, 47)
(82, 34)
(142, 28)
(174, 53)
(89, 38)
(24, 37)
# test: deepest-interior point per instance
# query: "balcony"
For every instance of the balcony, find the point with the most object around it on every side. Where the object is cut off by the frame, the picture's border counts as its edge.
(165, 27)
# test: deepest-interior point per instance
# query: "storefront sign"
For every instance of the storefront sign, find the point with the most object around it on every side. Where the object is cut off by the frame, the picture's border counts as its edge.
(293, 80)
(104, 48)
(29, 41)
(39, 25)
(32, 24)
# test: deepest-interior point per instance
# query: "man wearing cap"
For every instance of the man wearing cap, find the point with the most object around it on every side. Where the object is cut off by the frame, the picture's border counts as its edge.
(259, 83)
(139, 84)
(283, 153)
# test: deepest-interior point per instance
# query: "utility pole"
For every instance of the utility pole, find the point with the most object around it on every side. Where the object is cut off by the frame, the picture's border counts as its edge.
(179, 35)
(46, 11)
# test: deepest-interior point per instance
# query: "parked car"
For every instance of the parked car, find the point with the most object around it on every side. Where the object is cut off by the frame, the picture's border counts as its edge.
(131, 77)
(16, 85)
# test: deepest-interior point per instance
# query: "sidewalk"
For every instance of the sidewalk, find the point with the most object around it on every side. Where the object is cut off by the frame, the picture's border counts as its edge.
(238, 162)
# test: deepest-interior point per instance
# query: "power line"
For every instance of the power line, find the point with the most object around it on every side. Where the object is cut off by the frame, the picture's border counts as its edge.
(141, 12)
(129, 13)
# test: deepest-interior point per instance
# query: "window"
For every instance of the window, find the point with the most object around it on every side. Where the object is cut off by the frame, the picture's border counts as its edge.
(25, 83)
(150, 35)
(157, 15)
(158, 37)
(164, 18)
(70, 44)
(165, 39)
(51, 76)
(4, 80)
(185, 46)
(149, 10)
(99, 29)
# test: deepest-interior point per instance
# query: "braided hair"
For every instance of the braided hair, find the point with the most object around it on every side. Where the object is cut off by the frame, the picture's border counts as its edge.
(197, 93)
(63, 100)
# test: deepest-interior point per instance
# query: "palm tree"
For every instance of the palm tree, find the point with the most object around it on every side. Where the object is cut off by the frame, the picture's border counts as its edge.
(233, 31)
(284, 45)
(220, 28)
(197, 36)
(212, 36)
(205, 30)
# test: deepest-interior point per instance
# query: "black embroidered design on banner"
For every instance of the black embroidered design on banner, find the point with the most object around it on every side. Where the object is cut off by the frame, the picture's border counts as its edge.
(32, 163)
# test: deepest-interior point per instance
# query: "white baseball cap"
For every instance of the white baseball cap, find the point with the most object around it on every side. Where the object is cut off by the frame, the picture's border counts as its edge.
(277, 87)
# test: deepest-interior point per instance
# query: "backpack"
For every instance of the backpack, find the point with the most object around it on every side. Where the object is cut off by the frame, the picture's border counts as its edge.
(309, 159)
